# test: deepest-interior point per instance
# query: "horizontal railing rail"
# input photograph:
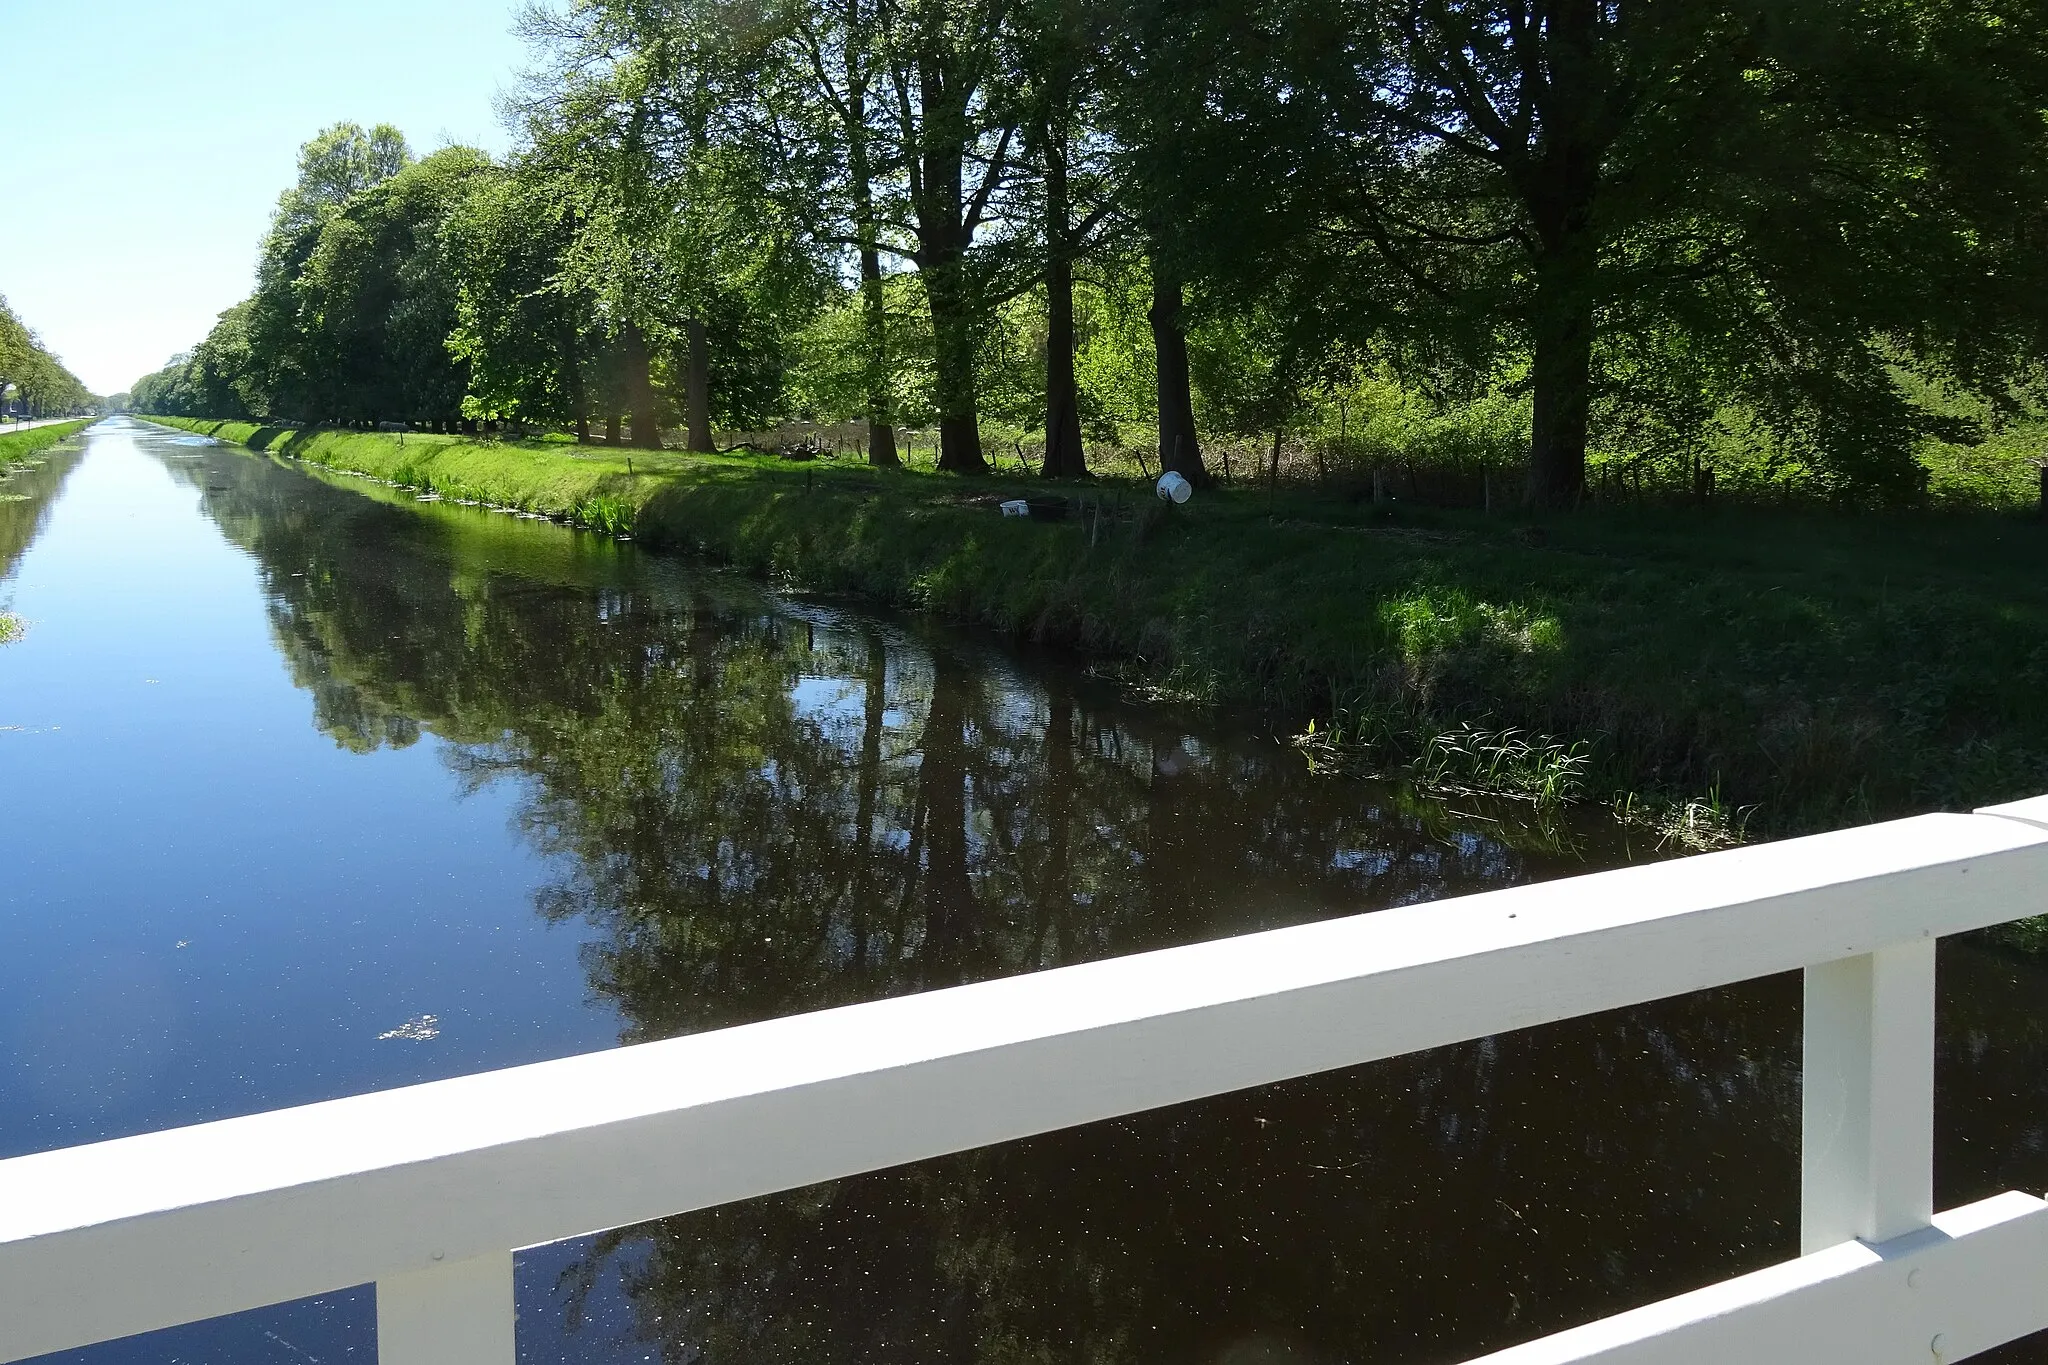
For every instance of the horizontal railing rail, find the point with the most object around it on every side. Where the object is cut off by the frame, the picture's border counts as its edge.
(426, 1191)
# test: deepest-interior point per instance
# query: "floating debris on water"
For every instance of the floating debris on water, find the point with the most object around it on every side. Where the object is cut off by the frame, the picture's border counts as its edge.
(417, 1030)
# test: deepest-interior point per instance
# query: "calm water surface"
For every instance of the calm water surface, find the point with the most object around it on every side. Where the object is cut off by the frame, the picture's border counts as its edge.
(311, 789)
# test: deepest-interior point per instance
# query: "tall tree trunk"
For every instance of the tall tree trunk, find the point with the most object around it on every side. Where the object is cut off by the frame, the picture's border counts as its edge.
(875, 322)
(1064, 455)
(572, 381)
(611, 428)
(873, 306)
(1560, 191)
(953, 363)
(640, 388)
(943, 230)
(697, 388)
(1179, 450)
(1562, 379)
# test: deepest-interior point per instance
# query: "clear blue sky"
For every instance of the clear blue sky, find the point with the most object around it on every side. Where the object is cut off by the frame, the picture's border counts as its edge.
(143, 143)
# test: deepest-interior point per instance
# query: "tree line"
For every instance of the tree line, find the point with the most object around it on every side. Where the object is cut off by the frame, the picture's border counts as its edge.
(1644, 228)
(34, 383)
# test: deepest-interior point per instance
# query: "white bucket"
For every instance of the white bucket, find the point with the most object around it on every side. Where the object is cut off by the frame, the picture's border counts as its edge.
(1173, 488)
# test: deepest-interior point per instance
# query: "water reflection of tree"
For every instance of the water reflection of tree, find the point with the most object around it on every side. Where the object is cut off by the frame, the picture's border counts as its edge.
(28, 490)
(759, 810)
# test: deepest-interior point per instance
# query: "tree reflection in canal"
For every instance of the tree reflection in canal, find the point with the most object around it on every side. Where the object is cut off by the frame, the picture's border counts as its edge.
(28, 489)
(760, 807)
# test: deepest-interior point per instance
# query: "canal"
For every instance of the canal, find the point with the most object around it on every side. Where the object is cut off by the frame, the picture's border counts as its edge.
(312, 788)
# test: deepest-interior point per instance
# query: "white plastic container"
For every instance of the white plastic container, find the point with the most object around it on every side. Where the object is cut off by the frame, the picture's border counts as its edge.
(1173, 488)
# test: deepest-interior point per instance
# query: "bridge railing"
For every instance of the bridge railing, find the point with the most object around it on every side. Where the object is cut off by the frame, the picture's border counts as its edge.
(426, 1191)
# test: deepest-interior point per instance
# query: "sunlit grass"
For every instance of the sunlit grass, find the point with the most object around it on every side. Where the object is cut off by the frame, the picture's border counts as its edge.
(16, 446)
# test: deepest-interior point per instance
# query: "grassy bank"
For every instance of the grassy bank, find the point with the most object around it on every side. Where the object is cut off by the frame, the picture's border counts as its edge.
(19, 445)
(1813, 669)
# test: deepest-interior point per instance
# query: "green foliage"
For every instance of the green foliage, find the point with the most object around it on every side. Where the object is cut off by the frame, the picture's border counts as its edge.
(1757, 251)
(831, 377)
(1676, 210)
(341, 161)
(31, 379)
(530, 341)
(2028, 935)
(209, 381)
(355, 299)
(376, 302)
(1113, 358)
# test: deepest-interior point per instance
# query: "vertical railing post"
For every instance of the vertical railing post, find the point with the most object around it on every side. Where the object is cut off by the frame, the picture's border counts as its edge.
(455, 1314)
(1867, 1112)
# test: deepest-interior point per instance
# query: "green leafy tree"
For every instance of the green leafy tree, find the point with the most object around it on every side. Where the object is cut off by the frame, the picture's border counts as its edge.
(1801, 190)
(1060, 49)
(377, 303)
(835, 50)
(286, 375)
(663, 126)
(949, 121)
(532, 342)
(41, 386)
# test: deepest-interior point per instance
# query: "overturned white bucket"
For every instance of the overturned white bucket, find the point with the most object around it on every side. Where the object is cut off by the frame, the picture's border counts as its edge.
(1173, 488)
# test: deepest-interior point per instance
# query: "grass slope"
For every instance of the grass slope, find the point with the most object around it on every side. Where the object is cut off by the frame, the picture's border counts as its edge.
(19, 445)
(1821, 669)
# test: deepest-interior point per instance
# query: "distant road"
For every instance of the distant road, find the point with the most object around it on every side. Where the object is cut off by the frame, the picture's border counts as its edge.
(6, 427)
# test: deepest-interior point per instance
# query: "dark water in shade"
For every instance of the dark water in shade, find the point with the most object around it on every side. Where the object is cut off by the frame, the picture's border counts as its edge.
(288, 767)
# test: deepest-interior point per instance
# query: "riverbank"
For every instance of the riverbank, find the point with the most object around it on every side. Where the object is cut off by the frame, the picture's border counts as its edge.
(1795, 670)
(19, 445)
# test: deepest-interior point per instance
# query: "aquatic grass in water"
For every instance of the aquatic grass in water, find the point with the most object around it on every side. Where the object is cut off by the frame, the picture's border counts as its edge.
(1700, 825)
(603, 512)
(1547, 773)
(1469, 759)
(1507, 762)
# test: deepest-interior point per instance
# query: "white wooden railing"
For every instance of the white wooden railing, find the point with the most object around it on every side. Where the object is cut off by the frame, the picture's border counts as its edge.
(425, 1191)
